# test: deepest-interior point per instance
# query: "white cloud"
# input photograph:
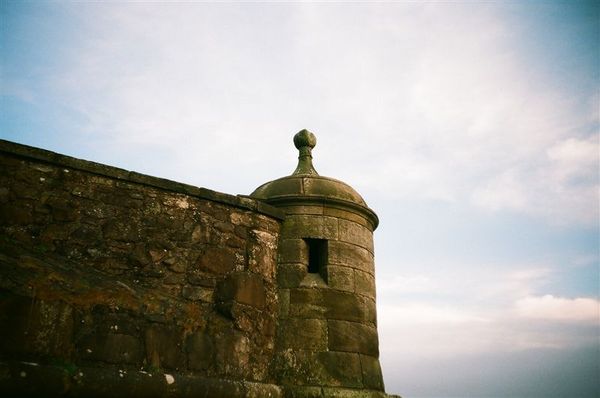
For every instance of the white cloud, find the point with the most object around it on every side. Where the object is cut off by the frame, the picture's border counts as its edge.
(563, 186)
(409, 101)
(424, 313)
(505, 287)
(505, 190)
(462, 312)
(400, 284)
(495, 285)
(435, 329)
(552, 308)
(469, 125)
(575, 158)
(428, 329)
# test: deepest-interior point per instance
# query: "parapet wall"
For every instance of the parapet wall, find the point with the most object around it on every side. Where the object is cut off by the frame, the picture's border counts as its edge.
(117, 283)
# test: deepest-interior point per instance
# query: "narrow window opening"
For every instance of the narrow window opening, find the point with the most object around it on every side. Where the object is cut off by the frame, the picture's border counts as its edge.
(317, 256)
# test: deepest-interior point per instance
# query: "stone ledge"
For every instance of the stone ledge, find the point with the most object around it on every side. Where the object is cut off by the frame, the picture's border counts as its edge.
(53, 158)
(331, 206)
(30, 379)
(332, 392)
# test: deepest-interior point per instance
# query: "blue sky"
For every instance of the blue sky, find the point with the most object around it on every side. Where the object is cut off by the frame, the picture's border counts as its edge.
(472, 129)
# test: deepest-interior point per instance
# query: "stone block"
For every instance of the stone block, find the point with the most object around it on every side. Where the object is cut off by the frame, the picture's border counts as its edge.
(246, 318)
(303, 334)
(364, 283)
(241, 232)
(35, 327)
(200, 351)
(284, 303)
(293, 250)
(198, 278)
(157, 255)
(340, 369)
(194, 386)
(341, 253)
(174, 279)
(198, 293)
(331, 304)
(266, 223)
(371, 372)
(344, 306)
(308, 311)
(302, 392)
(217, 260)
(200, 234)
(305, 209)
(245, 288)
(120, 231)
(177, 261)
(306, 296)
(340, 278)
(290, 275)
(262, 253)
(298, 368)
(353, 337)
(370, 310)
(241, 219)
(260, 390)
(306, 226)
(224, 227)
(32, 379)
(164, 347)
(307, 303)
(138, 255)
(112, 347)
(235, 242)
(63, 210)
(107, 320)
(348, 215)
(114, 381)
(268, 325)
(357, 234)
(17, 213)
(332, 392)
(313, 280)
(54, 232)
(233, 354)
(4, 195)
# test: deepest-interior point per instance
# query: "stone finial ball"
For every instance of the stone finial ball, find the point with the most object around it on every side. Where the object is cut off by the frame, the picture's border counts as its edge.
(305, 138)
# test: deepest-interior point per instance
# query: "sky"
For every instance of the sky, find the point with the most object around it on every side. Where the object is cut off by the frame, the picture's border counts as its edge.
(471, 128)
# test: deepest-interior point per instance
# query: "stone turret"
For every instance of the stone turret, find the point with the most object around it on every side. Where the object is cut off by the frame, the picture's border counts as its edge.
(327, 326)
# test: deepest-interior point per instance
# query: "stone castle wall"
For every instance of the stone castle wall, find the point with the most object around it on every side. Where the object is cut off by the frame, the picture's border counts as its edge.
(116, 283)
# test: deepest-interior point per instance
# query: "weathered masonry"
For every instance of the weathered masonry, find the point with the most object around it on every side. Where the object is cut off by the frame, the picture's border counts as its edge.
(114, 283)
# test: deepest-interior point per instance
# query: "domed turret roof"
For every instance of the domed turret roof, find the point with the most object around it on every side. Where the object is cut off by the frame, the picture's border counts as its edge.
(306, 185)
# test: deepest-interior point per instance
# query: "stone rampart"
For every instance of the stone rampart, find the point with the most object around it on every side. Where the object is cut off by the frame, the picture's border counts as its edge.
(114, 283)
(118, 284)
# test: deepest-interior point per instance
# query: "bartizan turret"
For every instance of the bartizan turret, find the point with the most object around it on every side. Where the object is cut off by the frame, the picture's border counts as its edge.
(327, 341)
